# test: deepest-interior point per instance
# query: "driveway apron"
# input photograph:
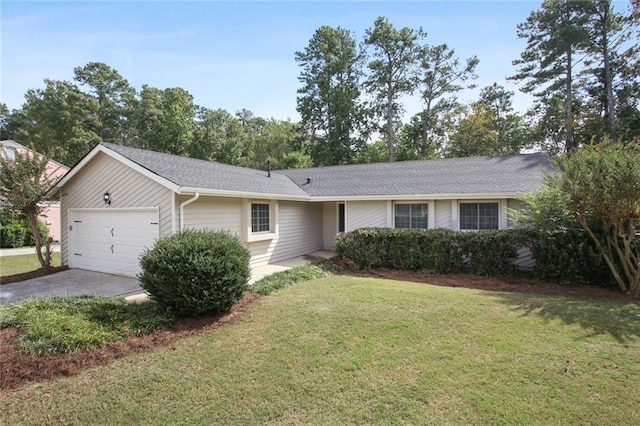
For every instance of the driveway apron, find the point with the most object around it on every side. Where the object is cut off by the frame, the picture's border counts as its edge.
(72, 282)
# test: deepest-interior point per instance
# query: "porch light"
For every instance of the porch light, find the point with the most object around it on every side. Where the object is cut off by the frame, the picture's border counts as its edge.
(107, 198)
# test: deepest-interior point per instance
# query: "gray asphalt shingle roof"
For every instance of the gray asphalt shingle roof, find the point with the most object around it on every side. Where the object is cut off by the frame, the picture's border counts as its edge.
(473, 175)
(201, 174)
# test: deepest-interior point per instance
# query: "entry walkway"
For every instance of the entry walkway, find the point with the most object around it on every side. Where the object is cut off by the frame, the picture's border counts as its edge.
(262, 271)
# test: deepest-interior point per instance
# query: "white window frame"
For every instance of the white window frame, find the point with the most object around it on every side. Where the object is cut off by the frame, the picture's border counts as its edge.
(431, 214)
(248, 234)
(502, 212)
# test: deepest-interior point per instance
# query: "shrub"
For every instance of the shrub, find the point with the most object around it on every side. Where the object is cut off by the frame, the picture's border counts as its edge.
(434, 250)
(196, 271)
(76, 324)
(278, 280)
(567, 256)
(13, 234)
(562, 249)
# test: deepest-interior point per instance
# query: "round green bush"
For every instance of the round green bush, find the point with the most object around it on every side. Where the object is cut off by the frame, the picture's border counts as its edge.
(13, 234)
(196, 271)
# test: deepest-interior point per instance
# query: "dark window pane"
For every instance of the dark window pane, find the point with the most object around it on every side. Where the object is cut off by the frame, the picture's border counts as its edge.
(412, 216)
(259, 217)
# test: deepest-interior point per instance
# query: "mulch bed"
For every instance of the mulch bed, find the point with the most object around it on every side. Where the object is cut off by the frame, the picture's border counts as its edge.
(31, 274)
(498, 284)
(17, 369)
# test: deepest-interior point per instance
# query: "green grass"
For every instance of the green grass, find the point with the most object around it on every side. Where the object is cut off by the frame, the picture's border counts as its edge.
(345, 350)
(74, 324)
(11, 265)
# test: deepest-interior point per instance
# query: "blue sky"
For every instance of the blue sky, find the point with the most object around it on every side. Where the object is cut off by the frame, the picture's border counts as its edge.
(234, 55)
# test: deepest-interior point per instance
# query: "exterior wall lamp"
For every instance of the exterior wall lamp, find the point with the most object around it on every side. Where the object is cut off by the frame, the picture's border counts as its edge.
(107, 198)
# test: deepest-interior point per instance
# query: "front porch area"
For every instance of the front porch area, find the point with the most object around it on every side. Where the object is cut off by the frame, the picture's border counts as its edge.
(262, 271)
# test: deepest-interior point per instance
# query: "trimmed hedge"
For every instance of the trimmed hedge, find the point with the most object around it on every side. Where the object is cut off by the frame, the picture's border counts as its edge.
(563, 256)
(567, 255)
(196, 271)
(441, 251)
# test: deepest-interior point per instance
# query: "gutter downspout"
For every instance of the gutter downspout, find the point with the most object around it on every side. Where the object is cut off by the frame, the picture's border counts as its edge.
(189, 201)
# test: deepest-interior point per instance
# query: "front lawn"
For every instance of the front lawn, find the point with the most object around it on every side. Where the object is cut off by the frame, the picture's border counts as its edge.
(11, 265)
(345, 350)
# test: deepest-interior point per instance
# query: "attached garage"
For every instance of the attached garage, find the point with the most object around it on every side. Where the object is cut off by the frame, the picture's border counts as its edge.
(111, 240)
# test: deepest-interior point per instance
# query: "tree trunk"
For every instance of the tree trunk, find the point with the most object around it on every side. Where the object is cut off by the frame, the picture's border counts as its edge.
(569, 106)
(33, 226)
(390, 122)
(610, 106)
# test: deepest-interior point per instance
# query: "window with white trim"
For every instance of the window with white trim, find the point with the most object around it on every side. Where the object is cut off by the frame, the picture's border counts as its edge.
(411, 216)
(476, 216)
(260, 219)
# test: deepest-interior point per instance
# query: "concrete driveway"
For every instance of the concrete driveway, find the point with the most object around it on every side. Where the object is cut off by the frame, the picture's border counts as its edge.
(72, 282)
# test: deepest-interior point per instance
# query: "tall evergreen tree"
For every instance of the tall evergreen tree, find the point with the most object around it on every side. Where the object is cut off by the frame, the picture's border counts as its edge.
(57, 120)
(328, 98)
(111, 100)
(441, 77)
(392, 70)
(554, 34)
(612, 67)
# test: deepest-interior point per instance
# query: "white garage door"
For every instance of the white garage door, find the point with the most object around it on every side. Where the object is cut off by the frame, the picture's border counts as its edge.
(111, 240)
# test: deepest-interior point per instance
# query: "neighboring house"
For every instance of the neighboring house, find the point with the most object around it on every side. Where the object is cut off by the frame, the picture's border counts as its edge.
(54, 171)
(118, 200)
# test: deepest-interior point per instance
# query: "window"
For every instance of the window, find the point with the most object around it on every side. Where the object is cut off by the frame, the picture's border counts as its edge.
(412, 216)
(260, 218)
(475, 216)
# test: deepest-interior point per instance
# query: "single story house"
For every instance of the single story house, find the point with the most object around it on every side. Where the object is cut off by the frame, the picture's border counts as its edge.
(54, 171)
(117, 200)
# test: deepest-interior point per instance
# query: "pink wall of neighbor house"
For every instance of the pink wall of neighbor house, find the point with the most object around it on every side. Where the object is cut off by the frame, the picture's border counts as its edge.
(51, 213)
(51, 217)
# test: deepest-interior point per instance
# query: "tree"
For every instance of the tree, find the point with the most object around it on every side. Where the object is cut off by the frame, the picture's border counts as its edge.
(492, 127)
(147, 118)
(282, 143)
(328, 98)
(4, 120)
(392, 70)
(554, 34)
(26, 182)
(111, 100)
(441, 77)
(219, 136)
(611, 64)
(602, 185)
(57, 120)
(175, 133)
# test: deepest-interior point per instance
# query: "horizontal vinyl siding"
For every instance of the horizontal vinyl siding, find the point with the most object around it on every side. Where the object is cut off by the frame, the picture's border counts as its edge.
(361, 214)
(514, 204)
(329, 224)
(300, 230)
(443, 214)
(127, 187)
(213, 213)
(299, 233)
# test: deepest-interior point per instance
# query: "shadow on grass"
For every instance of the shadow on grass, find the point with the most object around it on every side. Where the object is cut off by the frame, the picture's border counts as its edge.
(619, 319)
